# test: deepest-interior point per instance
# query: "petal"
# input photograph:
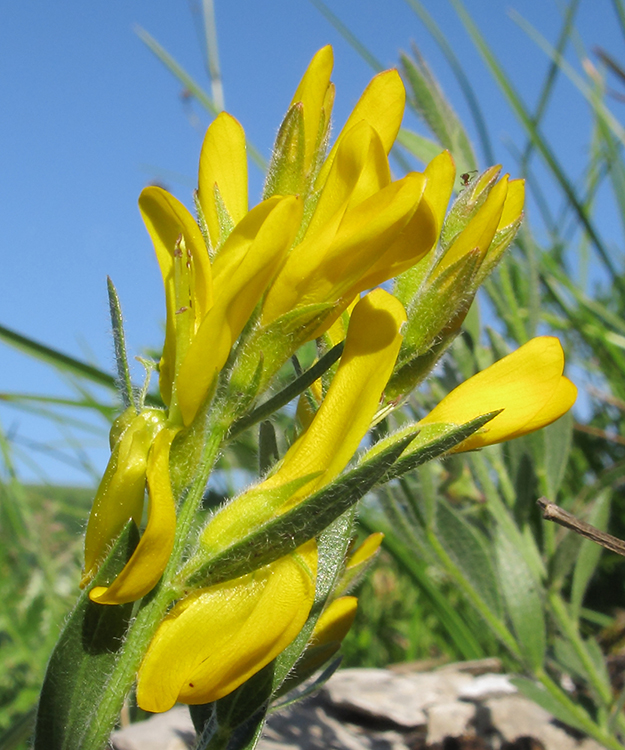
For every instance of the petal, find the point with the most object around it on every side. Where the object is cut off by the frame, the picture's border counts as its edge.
(422, 231)
(335, 621)
(513, 207)
(142, 572)
(223, 163)
(312, 92)
(366, 550)
(371, 347)
(121, 492)
(359, 170)
(382, 106)
(481, 229)
(528, 386)
(166, 220)
(242, 271)
(314, 274)
(414, 242)
(441, 174)
(219, 637)
(325, 448)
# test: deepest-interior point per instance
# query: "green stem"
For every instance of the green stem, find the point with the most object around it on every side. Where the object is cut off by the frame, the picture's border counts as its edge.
(569, 628)
(139, 636)
(592, 729)
(153, 610)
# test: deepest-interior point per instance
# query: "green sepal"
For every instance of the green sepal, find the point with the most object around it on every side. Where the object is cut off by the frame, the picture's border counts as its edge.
(280, 535)
(225, 221)
(83, 658)
(432, 441)
(500, 243)
(407, 377)
(121, 357)
(275, 343)
(466, 205)
(286, 172)
(201, 220)
(443, 297)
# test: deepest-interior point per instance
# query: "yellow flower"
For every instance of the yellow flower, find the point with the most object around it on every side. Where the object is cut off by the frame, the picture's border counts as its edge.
(147, 563)
(218, 637)
(121, 492)
(323, 450)
(527, 385)
(365, 228)
(208, 306)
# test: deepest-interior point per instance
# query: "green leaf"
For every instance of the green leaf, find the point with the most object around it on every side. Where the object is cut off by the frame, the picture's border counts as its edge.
(83, 658)
(433, 441)
(284, 533)
(523, 602)
(332, 546)
(549, 702)
(430, 103)
(557, 439)
(469, 550)
(589, 552)
(291, 391)
(121, 355)
(422, 148)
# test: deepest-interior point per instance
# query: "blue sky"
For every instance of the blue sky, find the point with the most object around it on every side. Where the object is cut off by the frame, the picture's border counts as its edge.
(89, 117)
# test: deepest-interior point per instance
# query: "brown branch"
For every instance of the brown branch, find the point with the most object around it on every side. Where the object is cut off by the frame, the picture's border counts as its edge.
(553, 512)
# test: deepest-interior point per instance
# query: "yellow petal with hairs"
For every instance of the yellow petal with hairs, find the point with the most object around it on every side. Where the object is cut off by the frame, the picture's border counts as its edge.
(335, 621)
(382, 106)
(371, 347)
(481, 229)
(218, 637)
(312, 92)
(325, 448)
(366, 550)
(223, 165)
(251, 257)
(121, 492)
(167, 220)
(315, 273)
(513, 207)
(441, 175)
(142, 572)
(527, 384)
(359, 170)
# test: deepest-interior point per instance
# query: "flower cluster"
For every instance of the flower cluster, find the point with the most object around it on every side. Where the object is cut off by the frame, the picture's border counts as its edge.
(245, 288)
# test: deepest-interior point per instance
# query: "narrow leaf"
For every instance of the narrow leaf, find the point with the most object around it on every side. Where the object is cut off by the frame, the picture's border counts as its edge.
(523, 602)
(83, 658)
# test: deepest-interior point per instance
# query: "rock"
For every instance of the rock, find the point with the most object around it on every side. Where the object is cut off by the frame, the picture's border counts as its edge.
(401, 699)
(378, 709)
(487, 686)
(516, 717)
(449, 720)
(172, 730)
